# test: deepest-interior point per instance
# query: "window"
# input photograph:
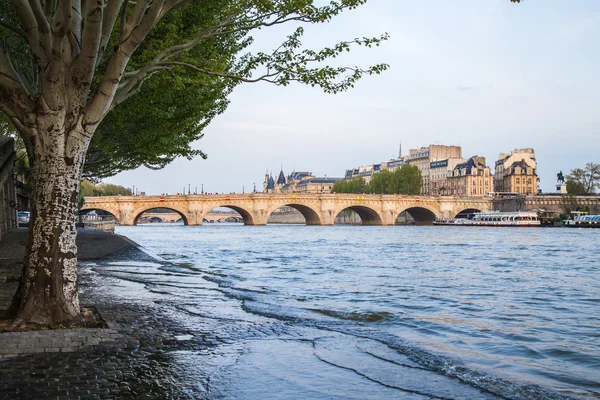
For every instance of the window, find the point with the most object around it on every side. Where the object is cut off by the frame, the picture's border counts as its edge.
(529, 181)
(518, 180)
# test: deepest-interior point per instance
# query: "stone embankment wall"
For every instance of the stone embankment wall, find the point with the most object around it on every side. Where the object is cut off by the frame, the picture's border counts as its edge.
(552, 203)
(108, 226)
(286, 215)
(8, 213)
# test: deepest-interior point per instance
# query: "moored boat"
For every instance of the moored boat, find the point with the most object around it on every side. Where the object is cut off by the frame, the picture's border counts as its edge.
(496, 218)
(582, 220)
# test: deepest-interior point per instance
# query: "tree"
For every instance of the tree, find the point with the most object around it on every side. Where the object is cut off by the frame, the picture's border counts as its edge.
(575, 187)
(158, 124)
(406, 180)
(104, 189)
(355, 185)
(586, 179)
(66, 64)
(380, 182)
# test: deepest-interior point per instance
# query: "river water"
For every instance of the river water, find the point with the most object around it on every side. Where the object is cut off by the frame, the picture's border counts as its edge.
(378, 312)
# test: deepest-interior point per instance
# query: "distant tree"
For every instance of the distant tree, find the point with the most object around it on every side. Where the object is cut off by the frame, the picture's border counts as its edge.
(355, 185)
(587, 178)
(575, 187)
(406, 180)
(103, 189)
(380, 182)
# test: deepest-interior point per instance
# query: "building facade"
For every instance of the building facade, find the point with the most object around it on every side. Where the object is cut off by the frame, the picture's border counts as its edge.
(424, 156)
(439, 176)
(435, 162)
(517, 173)
(367, 171)
(471, 178)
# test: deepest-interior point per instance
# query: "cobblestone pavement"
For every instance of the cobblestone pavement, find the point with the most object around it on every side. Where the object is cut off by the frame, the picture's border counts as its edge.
(131, 359)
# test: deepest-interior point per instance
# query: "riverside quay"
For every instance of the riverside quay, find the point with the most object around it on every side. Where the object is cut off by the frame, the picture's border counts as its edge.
(319, 209)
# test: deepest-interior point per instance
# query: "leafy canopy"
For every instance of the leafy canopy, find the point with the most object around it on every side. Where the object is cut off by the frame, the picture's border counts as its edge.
(404, 180)
(172, 66)
(584, 180)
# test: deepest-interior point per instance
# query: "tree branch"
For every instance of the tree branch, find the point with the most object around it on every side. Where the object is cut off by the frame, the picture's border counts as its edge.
(31, 28)
(43, 27)
(48, 8)
(63, 18)
(102, 100)
(111, 14)
(85, 64)
(264, 77)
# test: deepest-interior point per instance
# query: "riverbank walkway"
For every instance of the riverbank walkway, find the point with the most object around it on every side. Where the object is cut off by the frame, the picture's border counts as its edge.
(123, 361)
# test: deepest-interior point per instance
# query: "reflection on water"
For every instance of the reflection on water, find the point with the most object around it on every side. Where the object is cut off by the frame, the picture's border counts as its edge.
(380, 312)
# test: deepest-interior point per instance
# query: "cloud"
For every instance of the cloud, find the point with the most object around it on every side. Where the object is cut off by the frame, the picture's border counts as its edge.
(464, 88)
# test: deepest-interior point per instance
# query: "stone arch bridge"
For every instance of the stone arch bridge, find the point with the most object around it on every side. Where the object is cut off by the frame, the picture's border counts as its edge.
(317, 209)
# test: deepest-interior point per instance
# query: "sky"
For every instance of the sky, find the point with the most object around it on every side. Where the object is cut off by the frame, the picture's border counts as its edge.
(488, 75)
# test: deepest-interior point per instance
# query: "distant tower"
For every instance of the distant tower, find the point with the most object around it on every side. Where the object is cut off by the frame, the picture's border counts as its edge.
(280, 182)
(266, 182)
(400, 151)
(271, 185)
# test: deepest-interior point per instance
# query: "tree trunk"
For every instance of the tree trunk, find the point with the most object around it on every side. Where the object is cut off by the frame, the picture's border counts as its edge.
(48, 294)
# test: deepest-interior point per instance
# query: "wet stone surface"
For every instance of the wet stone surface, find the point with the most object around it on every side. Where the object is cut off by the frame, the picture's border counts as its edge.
(131, 359)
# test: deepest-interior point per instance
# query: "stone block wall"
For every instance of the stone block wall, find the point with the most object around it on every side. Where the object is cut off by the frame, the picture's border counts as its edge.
(8, 212)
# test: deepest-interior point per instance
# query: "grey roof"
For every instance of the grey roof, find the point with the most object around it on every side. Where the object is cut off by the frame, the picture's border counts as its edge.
(471, 163)
(271, 183)
(298, 175)
(281, 178)
(319, 180)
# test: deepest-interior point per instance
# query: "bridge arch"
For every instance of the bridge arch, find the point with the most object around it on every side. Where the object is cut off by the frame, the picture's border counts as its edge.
(310, 213)
(245, 214)
(368, 215)
(138, 213)
(422, 214)
(231, 219)
(106, 210)
(467, 212)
